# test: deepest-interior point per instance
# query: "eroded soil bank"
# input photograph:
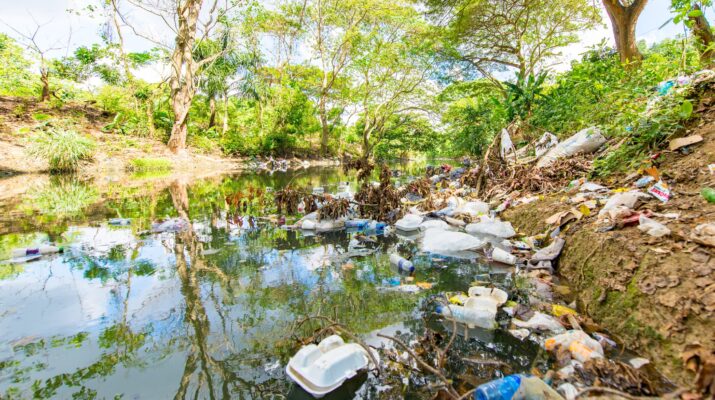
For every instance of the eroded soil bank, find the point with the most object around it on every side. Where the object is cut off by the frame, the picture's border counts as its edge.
(656, 295)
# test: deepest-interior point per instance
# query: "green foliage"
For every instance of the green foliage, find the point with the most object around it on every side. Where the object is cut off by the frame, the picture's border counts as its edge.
(63, 149)
(15, 76)
(150, 164)
(524, 95)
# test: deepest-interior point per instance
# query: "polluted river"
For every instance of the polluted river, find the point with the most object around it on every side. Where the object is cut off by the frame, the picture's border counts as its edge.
(208, 288)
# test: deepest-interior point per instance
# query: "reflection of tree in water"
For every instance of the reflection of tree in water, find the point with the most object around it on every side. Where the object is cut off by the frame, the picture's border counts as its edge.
(204, 375)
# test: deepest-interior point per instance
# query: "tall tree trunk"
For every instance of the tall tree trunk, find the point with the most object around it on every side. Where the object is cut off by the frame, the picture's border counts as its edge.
(183, 68)
(212, 112)
(149, 110)
(325, 129)
(45, 79)
(701, 29)
(623, 20)
(224, 128)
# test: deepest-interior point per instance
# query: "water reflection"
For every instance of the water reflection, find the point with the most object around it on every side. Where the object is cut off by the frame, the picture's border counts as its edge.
(208, 312)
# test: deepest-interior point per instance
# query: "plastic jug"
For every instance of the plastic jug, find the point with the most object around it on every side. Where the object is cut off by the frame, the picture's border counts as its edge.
(470, 316)
(30, 251)
(403, 265)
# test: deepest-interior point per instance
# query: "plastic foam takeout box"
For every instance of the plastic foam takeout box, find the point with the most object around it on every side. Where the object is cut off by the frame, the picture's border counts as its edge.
(320, 369)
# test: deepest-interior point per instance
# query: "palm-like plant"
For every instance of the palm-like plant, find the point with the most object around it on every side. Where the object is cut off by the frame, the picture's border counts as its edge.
(522, 96)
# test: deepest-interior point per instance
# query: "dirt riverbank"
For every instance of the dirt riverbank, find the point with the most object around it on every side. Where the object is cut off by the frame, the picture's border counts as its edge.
(655, 295)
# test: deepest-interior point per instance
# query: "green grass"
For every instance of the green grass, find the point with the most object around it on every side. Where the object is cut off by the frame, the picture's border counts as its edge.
(150, 164)
(63, 149)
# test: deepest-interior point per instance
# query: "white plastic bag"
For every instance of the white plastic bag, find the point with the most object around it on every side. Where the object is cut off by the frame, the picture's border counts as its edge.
(625, 199)
(545, 142)
(491, 226)
(652, 227)
(434, 224)
(409, 222)
(507, 147)
(441, 241)
(540, 321)
(585, 141)
(473, 208)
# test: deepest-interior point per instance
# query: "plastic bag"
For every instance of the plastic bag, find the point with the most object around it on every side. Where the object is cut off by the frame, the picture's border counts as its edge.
(473, 208)
(586, 141)
(540, 321)
(439, 241)
(545, 142)
(652, 227)
(409, 222)
(507, 147)
(491, 226)
(434, 224)
(625, 199)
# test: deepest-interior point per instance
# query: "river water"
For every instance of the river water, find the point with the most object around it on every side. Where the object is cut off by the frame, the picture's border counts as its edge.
(210, 312)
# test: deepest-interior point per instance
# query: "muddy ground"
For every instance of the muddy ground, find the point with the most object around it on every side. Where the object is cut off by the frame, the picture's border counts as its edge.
(655, 295)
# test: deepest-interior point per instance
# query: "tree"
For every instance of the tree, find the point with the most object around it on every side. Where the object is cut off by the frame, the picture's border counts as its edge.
(333, 27)
(521, 34)
(32, 41)
(182, 17)
(390, 70)
(690, 12)
(624, 17)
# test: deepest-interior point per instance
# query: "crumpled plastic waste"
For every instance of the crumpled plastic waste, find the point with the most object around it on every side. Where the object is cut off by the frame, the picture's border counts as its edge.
(585, 141)
(541, 322)
(440, 241)
(626, 199)
(652, 227)
(410, 222)
(491, 226)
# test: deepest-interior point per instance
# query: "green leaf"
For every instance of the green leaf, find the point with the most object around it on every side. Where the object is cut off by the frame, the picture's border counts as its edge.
(686, 109)
(695, 14)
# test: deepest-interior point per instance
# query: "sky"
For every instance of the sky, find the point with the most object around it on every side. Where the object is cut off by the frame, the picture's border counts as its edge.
(22, 15)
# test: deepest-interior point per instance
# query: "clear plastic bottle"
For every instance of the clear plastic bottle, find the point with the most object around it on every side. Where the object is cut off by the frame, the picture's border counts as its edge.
(403, 265)
(470, 316)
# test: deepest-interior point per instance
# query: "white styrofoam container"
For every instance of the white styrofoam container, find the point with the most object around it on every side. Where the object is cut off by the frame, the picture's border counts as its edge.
(322, 368)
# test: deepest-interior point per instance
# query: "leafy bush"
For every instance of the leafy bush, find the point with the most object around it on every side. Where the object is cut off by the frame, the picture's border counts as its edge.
(62, 198)
(150, 164)
(63, 149)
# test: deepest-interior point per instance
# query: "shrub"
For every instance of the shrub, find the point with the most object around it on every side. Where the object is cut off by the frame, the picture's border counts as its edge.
(63, 149)
(150, 164)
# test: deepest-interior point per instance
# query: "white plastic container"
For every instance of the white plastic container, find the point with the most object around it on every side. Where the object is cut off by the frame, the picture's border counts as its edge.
(322, 368)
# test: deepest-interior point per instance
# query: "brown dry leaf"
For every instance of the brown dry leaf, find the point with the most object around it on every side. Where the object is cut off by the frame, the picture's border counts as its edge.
(675, 144)
(669, 299)
(348, 266)
(701, 360)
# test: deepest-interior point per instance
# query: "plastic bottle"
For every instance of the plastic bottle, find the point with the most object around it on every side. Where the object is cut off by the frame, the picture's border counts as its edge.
(403, 265)
(357, 223)
(708, 194)
(120, 221)
(376, 226)
(516, 387)
(503, 256)
(470, 316)
(29, 251)
(500, 389)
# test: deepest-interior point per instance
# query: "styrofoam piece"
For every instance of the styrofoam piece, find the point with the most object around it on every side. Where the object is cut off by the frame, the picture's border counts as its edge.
(322, 368)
